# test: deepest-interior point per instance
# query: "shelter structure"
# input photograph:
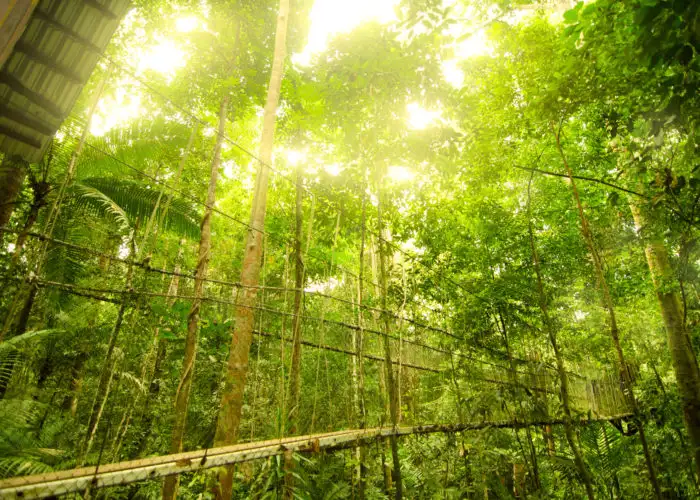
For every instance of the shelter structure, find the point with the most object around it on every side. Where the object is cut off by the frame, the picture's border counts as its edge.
(49, 50)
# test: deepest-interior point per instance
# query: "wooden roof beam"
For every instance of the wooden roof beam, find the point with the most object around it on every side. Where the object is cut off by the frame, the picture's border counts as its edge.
(32, 53)
(22, 118)
(29, 141)
(66, 30)
(101, 8)
(35, 97)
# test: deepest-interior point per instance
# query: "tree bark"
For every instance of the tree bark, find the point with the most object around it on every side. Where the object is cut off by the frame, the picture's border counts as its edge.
(109, 366)
(182, 395)
(685, 363)
(76, 382)
(295, 372)
(40, 190)
(609, 306)
(12, 173)
(561, 367)
(236, 370)
(358, 359)
(392, 389)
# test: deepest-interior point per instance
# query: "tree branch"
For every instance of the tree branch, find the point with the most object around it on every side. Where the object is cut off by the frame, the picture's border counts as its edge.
(583, 178)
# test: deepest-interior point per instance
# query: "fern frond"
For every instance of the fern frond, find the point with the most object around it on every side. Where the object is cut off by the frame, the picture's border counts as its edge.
(9, 359)
(98, 204)
(145, 145)
(21, 452)
(136, 199)
(16, 341)
(135, 380)
(566, 467)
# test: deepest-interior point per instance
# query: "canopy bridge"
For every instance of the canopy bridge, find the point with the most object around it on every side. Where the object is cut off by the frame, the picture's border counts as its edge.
(139, 286)
(123, 473)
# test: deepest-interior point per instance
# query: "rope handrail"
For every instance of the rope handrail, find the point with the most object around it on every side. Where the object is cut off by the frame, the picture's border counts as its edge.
(351, 326)
(148, 268)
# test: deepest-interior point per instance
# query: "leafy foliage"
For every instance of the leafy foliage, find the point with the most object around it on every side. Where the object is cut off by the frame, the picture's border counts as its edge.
(472, 177)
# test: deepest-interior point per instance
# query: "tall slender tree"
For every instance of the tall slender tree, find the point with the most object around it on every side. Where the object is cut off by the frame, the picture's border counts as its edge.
(558, 356)
(609, 306)
(683, 358)
(184, 387)
(392, 389)
(236, 370)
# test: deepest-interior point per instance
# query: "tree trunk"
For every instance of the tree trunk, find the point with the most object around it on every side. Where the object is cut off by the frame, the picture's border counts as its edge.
(182, 395)
(685, 363)
(609, 306)
(40, 192)
(561, 367)
(103, 390)
(295, 372)
(12, 173)
(358, 359)
(76, 382)
(392, 389)
(107, 372)
(159, 349)
(534, 469)
(236, 370)
(72, 165)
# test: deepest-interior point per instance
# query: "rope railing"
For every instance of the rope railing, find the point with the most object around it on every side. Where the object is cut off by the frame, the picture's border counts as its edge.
(144, 265)
(93, 292)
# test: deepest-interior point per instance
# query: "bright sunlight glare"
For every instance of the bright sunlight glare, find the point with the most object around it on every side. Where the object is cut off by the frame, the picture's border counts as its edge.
(294, 158)
(125, 105)
(475, 45)
(466, 43)
(116, 110)
(330, 17)
(187, 24)
(164, 57)
(452, 73)
(400, 174)
(334, 169)
(420, 118)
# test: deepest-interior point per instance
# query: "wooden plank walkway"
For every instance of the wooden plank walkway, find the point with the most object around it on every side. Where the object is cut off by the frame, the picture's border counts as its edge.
(121, 473)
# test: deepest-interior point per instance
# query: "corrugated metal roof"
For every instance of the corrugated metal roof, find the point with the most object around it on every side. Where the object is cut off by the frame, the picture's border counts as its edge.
(50, 64)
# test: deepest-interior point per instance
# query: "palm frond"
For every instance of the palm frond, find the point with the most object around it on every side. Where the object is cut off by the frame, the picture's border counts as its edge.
(144, 145)
(566, 467)
(9, 359)
(21, 452)
(64, 263)
(603, 450)
(96, 203)
(126, 199)
(138, 383)
(16, 341)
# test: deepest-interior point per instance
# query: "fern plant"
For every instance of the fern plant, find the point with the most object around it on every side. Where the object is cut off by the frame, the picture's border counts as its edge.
(22, 451)
(123, 201)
